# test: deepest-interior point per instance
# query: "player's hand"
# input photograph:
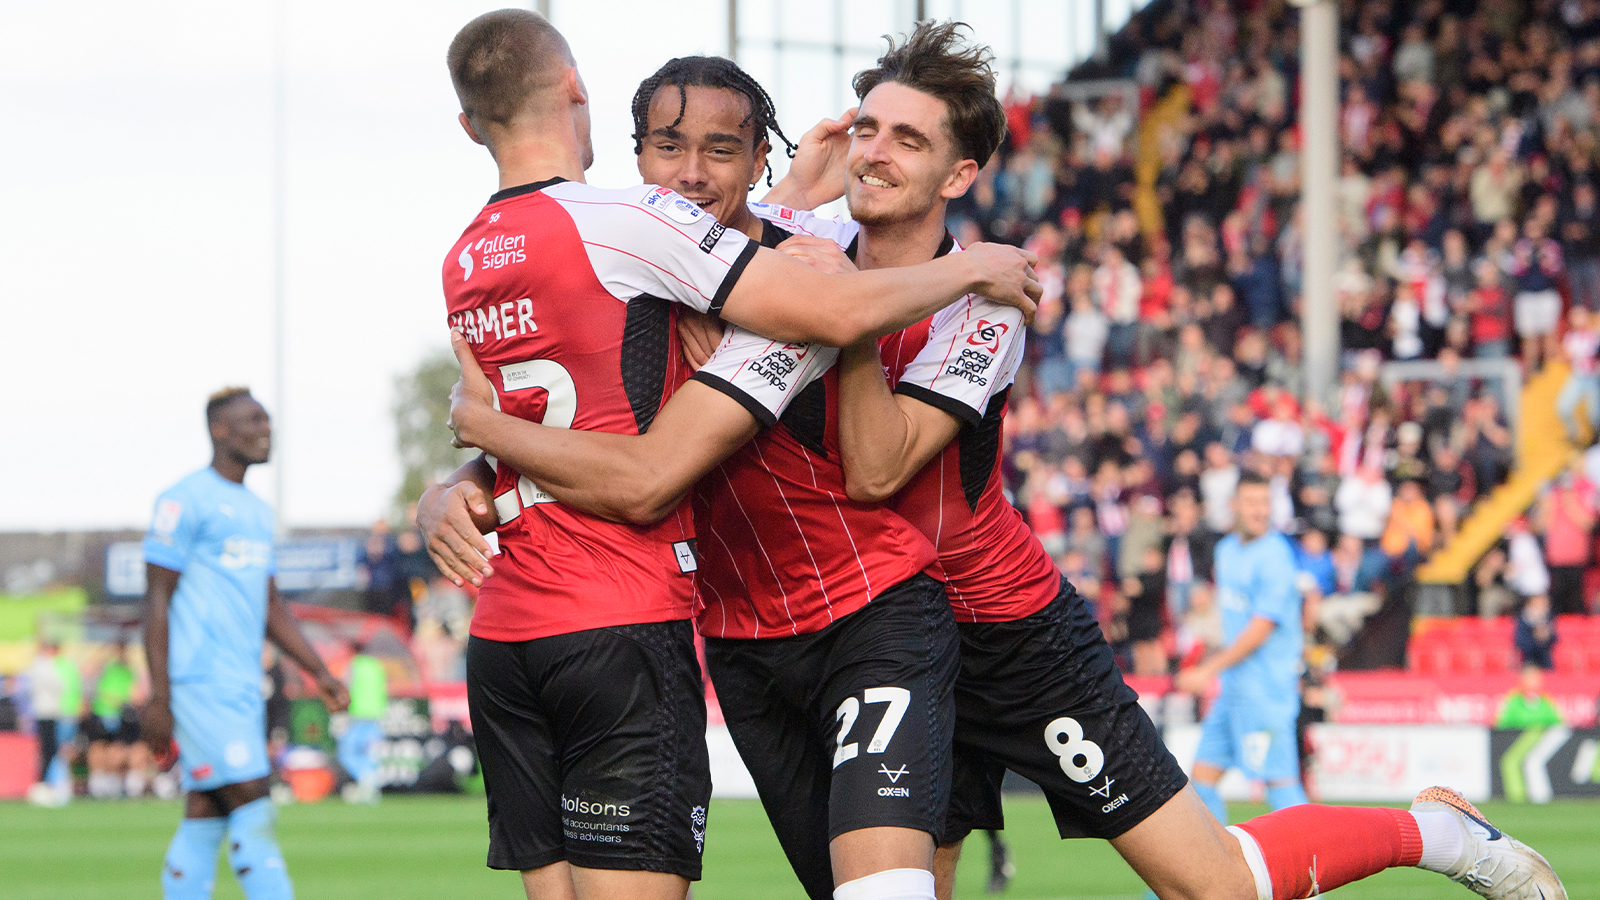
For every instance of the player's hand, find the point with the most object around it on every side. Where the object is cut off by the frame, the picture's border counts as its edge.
(445, 518)
(1196, 681)
(155, 726)
(333, 692)
(700, 333)
(1005, 275)
(818, 253)
(472, 395)
(820, 167)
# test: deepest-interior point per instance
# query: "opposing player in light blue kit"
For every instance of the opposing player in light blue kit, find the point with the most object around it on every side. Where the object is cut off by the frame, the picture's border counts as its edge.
(210, 603)
(1251, 724)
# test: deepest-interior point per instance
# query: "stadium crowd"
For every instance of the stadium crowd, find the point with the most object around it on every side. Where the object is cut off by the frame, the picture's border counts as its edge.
(1162, 364)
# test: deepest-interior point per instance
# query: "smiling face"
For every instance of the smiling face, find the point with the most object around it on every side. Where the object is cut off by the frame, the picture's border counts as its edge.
(710, 155)
(243, 431)
(903, 162)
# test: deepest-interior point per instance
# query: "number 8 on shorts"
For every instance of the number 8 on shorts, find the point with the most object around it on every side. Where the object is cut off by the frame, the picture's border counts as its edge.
(1070, 750)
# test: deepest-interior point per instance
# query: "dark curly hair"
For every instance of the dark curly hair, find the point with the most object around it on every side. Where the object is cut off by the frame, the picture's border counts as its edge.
(712, 72)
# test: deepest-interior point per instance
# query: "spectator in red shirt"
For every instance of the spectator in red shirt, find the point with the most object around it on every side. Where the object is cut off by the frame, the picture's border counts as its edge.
(1489, 308)
(1568, 513)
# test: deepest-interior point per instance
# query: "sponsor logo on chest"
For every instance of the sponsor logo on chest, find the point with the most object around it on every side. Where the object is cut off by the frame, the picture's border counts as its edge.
(244, 553)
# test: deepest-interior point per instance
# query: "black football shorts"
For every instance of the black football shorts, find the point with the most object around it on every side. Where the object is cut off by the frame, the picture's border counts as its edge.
(1042, 696)
(848, 727)
(593, 748)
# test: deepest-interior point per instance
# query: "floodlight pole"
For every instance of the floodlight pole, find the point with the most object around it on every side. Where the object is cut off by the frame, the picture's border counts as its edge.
(280, 124)
(1319, 116)
(733, 29)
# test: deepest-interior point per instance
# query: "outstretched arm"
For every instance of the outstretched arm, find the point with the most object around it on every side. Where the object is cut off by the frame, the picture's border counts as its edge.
(787, 300)
(284, 631)
(624, 478)
(884, 438)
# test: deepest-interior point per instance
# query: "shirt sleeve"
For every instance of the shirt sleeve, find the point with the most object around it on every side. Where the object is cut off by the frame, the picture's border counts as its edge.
(173, 528)
(648, 240)
(841, 231)
(1276, 595)
(762, 374)
(972, 354)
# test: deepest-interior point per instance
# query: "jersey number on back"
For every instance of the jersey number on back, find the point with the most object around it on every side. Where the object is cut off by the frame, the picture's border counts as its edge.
(560, 407)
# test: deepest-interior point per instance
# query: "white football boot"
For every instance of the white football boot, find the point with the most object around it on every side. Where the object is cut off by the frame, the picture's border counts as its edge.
(1493, 864)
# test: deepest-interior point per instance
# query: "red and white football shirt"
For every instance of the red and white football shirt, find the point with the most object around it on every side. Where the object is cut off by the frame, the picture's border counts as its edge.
(566, 293)
(962, 360)
(783, 549)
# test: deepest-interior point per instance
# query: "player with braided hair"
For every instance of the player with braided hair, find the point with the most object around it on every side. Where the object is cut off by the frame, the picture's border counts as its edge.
(718, 72)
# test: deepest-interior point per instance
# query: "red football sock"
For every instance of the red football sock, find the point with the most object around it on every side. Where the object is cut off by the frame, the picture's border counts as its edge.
(1311, 849)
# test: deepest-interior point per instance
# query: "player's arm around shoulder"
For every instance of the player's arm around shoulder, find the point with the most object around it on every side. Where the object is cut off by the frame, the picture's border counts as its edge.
(636, 479)
(971, 355)
(885, 438)
(786, 300)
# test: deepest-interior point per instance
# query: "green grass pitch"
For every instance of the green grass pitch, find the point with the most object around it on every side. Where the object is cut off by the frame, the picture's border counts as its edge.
(428, 848)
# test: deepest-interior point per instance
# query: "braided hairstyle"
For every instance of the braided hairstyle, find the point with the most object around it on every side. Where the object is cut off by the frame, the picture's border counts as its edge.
(711, 72)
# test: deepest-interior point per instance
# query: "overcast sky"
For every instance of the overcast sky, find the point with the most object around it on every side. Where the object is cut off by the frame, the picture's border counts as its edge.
(136, 219)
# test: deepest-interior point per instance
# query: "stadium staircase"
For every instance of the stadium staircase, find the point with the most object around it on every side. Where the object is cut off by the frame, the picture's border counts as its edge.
(1542, 451)
(1163, 116)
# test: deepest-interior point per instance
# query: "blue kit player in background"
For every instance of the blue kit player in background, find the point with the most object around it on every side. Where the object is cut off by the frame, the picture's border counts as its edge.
(210, 603)
(1251, 724)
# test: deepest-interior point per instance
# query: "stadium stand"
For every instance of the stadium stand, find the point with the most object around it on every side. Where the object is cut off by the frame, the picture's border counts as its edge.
(1167, 353)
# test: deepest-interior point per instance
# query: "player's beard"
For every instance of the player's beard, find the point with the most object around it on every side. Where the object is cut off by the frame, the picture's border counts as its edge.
(911, 205)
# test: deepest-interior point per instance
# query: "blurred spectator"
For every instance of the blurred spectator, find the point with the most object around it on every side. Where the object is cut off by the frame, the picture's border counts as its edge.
(1567, 511)
(1084, 576)
(1580, 242)
(1525, 570)
(1494, 596)
(119, 763)
(55, 698)
(1363, 503)
(1536, 265)
(1528, 706)
(1086, 332)
(1217, 483)
(1489, 310)
(1188, 552)
(1146, 592)
(1117, 288)
(1535, 636)
(383, 578)
(1408, 536)
(369, 700)
(1581, 343)
(10, 715)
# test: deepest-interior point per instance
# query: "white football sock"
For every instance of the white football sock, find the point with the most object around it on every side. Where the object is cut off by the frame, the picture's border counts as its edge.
(890, 884)
(1442, 842)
